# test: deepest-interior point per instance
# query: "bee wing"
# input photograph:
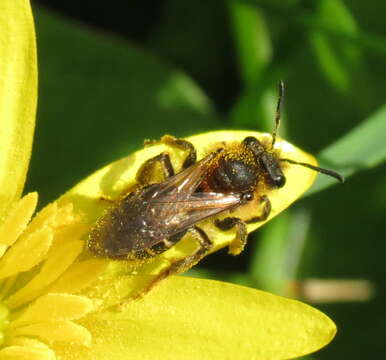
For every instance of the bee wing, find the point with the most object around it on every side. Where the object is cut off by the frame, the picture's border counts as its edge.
(180, 214)
(187, 181)
(172, 206)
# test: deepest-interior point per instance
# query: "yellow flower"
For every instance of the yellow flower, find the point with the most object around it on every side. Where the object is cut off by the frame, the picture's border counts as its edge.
(57, 301)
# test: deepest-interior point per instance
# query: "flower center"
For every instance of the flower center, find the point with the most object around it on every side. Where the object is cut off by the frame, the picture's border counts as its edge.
(4, 321)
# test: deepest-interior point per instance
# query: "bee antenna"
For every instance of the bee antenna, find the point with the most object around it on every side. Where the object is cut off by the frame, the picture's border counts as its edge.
(278, 112)
(317, 168)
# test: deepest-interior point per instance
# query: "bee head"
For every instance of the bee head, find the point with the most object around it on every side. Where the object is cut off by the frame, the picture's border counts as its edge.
(268, 159)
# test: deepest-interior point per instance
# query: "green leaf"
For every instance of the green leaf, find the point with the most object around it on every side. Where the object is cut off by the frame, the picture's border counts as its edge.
(194, 35)
(337, 59)
(277, 256)
(268, 258)
(330, 63)
(255, 109)
(255, 106)
(252, 41)
(99, 98)
(362, 148)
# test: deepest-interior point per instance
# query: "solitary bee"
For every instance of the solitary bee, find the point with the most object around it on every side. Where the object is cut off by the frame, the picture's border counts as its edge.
(157, 214)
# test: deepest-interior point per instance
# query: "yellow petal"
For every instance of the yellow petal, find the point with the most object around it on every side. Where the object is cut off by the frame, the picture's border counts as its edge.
(15, 352)
(64, 215)
(18, 219)
(27, 349)
(52, 268)
(3, 249)
(18, 94)
(45, 217)
(62, 331)
(79, 275)
(26, 253)
(65, 234)
(55, 307)
(201, 319)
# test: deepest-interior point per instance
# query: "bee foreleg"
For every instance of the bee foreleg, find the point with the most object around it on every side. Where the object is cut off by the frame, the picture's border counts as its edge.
(183, 264)
(191, 157)
(238, 243)
(147, 172)
(266, 211)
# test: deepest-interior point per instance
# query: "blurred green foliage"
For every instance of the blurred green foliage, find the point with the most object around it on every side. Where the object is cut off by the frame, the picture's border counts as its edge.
(212, 65)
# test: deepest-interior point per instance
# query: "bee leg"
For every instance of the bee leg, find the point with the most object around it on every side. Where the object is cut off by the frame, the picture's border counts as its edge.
(166, 244)
(147, 174)
(238, 243)
(183, 264)
(266, 211)
(148, 171)
(187, 146)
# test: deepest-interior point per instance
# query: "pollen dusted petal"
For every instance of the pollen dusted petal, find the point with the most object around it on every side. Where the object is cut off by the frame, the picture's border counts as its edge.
(18, 219)
(65, 214)
(205, 320)
(26, 253)
(3, 249)
(79, 275)
(67, 233)
(45, 217)
(55, 307)
(15, 352)
(41, 350)
(53, 267)
(62, 331)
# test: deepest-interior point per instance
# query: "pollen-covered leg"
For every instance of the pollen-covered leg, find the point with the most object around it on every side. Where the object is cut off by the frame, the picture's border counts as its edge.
(266, 211)
(171, 141)
(191, 156)
(148, 173)
(182, 264)
(238, 243)
(149, 170)
(164, 244)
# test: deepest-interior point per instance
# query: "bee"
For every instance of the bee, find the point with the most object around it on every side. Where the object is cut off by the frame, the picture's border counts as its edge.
(156, 215)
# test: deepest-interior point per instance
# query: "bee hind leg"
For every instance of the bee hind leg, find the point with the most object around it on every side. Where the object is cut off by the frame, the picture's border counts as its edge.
(179, 144)
(238, 243)
(147, 173)
(180, 265)
(187, 146)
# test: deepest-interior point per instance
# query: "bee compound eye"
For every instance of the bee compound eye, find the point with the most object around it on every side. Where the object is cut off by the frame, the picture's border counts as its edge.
(250, 140)
(247, 196)
(280, 181)
(254, 145)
